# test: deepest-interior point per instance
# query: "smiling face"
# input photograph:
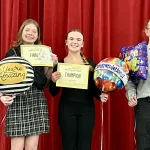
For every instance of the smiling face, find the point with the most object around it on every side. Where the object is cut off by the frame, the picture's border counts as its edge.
(29, 34)
(74, 41)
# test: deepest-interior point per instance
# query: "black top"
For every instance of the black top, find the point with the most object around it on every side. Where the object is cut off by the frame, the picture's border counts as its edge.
(39, 77)
(77, 95)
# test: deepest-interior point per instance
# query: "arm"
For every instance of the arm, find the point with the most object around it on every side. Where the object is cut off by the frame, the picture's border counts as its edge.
(52, 85)
(49, 70)
(95, 91)
(98, 94)
(130, 90)
(10, 53)
(53, 89)
(131, 93)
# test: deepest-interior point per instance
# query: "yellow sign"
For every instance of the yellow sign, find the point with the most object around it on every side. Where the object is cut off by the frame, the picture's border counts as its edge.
(37, 55)
(73, 76)
(11, 73)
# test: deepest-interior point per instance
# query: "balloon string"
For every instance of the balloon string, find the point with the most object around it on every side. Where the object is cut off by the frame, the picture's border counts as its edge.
(134, 135)
(4, 117)
(13, 96)
(102, 123)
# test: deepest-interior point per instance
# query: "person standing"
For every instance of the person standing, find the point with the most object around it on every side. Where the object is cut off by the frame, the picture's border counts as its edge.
(139, 97)
(76, 114)
(27, 114)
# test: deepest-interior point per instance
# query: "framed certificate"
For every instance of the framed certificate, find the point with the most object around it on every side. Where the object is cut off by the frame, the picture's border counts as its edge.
(73, 75)
(37, 55)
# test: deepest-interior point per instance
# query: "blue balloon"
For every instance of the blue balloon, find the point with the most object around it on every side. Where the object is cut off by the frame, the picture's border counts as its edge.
(119, 84)
(107, 75)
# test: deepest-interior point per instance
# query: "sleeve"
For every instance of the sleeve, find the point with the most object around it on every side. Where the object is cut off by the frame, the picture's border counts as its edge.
(130, 89)
(39, 77)
(10, 53)
(96, 92)
(52, 86)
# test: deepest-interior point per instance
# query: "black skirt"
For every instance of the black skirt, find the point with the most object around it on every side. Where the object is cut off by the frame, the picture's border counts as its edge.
(28, 115)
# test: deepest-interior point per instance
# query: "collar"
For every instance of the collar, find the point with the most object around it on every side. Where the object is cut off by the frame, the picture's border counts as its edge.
(148, 46)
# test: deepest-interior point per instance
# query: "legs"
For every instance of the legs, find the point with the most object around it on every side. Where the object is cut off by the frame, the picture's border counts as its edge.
(68, 126)
(27, 143)
(17, 143)
(31, 142)
(143, 139)
(142, 112)
(85, 128)
(76, 122)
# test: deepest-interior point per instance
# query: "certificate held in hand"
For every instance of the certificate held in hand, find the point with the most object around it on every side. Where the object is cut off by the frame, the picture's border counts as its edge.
(73, 75)
(37, 55)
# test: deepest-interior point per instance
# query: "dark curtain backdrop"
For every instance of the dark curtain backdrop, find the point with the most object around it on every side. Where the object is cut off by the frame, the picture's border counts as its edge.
(107, 26)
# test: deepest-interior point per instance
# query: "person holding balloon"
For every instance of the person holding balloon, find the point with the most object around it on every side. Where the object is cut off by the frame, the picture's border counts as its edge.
(76, 114)
(111, 74)
(6, 99)
(130, 70)
(139, 97)
(27, 114)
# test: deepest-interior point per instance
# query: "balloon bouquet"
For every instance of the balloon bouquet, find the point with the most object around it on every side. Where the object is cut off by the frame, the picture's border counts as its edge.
(113, 73)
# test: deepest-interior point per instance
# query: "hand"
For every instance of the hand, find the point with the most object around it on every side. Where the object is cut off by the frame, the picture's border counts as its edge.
(7, 100)
(54, 58)
(132, 102)
(104, 97)
(55, 76)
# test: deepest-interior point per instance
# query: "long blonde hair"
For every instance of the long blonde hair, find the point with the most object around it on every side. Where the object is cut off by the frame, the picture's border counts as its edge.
(19, 40)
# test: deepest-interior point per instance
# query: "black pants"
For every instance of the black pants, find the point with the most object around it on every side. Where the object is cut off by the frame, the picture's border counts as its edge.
(142, 112)
(76, 122)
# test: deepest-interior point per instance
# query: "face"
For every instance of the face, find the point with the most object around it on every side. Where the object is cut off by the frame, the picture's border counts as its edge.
(74, 41)
(147, 30)
(29, 34)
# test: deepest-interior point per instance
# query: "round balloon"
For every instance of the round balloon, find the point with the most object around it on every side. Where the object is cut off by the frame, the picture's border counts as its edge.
(111, 74)
(16, 75)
